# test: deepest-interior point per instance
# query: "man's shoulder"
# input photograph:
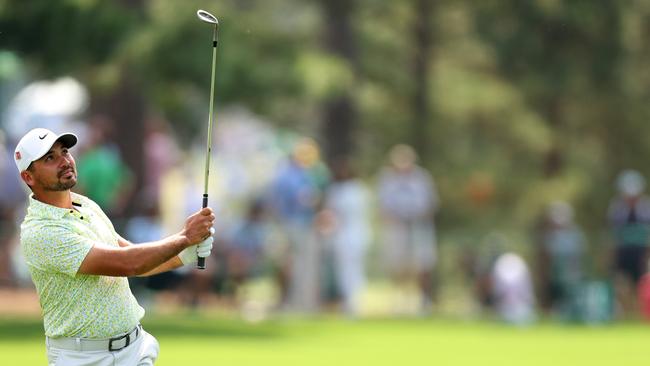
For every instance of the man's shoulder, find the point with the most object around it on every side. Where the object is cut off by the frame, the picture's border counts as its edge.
(39, 235)
(33, 228)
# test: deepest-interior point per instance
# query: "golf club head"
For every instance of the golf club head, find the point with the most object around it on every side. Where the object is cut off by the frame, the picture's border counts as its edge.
(207, 17)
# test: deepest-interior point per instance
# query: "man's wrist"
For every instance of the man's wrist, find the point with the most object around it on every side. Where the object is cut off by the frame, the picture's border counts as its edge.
(188, 255)
(182, 240)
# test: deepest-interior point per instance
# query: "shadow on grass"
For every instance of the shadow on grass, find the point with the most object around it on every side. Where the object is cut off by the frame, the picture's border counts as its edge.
(176, 326)
(20, 329)
(211, 328)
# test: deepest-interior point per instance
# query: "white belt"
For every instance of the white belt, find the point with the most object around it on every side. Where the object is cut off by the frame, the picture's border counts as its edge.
(85, 344)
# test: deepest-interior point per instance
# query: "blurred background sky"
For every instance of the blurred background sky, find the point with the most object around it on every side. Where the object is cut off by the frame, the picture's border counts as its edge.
(511, 106)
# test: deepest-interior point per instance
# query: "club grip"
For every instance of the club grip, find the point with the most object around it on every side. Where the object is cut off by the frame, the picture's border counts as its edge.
(200, 263)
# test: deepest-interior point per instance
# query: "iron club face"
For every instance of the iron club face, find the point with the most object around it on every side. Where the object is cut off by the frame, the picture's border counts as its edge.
(207, 17)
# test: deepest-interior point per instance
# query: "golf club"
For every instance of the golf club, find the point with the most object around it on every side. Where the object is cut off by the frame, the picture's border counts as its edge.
(209, 18)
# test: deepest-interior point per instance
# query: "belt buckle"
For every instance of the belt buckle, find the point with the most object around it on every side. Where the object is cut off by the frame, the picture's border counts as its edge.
(110, 342)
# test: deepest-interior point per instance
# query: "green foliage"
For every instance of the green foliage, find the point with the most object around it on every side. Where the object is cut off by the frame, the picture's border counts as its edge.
(61, 36)
(552, 45)
(258, 58)
(530, 101)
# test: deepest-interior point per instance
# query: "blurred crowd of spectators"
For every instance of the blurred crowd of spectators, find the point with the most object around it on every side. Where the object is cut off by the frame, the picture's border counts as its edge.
(555, 280)
(309, 227)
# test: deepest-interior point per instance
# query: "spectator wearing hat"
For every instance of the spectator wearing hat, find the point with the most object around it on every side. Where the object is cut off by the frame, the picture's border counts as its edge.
(629, 217)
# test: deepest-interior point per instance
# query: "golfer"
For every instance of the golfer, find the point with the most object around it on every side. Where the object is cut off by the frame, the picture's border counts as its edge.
(79, 264)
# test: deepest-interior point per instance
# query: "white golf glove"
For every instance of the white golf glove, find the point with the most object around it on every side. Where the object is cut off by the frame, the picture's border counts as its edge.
(202, 249)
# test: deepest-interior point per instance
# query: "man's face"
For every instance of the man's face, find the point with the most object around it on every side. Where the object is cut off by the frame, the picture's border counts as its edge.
(55, 171)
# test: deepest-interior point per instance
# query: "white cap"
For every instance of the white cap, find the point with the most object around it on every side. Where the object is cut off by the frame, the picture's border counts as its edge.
(37, 143)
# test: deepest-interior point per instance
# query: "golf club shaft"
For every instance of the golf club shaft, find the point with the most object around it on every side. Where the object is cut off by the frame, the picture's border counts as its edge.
(201, 260)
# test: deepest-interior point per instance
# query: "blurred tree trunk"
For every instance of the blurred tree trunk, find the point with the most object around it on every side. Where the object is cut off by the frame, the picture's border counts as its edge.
(624, 138)
(553, 160)
(339, 122)
(127, 107)
(423, 40)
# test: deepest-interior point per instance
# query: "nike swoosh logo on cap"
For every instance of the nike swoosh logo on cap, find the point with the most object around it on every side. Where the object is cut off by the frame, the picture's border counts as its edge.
(42, 137)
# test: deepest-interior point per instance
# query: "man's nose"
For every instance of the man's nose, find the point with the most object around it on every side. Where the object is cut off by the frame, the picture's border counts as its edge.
(65, 160)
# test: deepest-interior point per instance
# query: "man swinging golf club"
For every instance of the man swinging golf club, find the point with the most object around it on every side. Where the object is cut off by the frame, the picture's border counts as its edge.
(80, 265)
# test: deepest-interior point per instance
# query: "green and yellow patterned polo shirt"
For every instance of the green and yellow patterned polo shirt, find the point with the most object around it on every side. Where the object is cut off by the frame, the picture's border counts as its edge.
(55, 242)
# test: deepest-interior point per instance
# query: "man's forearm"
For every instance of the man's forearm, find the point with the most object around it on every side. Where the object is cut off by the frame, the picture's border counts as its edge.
(131, 260)
(156, 257)
(173, 263)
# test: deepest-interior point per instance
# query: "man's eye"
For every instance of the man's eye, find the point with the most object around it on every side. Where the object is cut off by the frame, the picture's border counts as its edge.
(48, 158)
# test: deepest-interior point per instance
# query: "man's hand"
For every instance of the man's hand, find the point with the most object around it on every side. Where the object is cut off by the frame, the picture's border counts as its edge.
(203, 250)
(197, 226)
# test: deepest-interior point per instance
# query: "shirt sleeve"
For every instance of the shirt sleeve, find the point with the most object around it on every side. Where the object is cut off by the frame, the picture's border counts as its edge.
(56, 249)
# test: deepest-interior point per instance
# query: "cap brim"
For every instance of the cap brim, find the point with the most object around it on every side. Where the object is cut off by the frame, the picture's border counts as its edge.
(67, 139)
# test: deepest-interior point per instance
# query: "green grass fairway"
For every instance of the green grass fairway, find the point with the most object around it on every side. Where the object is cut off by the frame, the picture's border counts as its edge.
(207, 340)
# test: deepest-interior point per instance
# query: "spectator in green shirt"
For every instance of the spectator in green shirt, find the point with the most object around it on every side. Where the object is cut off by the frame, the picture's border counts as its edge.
(103, 176)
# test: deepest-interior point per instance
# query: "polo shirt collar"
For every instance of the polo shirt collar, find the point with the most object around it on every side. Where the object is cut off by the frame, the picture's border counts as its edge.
(46, 211)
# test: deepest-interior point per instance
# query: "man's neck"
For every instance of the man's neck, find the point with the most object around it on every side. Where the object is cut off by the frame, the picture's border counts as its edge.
(62, 199)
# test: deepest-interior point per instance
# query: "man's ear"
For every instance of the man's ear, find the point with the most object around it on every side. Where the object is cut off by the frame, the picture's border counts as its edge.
(27, 177)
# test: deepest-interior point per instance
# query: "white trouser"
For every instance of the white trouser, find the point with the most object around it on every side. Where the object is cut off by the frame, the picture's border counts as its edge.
(350, 277)
(303, 290)
(142, 352)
